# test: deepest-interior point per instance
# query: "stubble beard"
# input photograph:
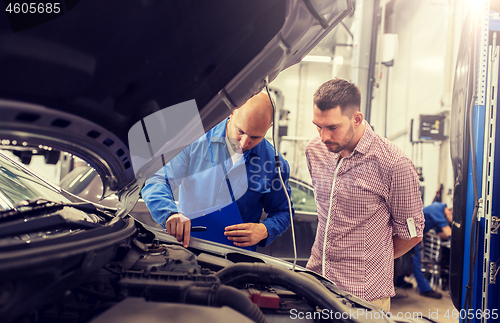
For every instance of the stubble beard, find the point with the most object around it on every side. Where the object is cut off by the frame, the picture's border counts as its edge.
(347, 140)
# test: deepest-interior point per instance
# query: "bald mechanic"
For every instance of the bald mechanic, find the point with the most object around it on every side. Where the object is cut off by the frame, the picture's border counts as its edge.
(367, 194)
(234, 149)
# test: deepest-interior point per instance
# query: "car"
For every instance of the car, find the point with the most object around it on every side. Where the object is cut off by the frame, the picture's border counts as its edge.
(94, 79)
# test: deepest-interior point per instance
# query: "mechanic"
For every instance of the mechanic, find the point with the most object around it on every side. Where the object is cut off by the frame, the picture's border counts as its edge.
(367, 195)
(235, 152)
(438, 217)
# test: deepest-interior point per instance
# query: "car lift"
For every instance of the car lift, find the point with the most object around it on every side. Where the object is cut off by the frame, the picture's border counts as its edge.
(476, 296)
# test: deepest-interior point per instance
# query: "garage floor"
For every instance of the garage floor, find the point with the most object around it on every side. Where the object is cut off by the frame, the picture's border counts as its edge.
(409, 302)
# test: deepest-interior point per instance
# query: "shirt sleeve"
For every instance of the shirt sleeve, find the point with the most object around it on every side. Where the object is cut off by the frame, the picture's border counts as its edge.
(404, 199)
(157, 191)
(276, 206)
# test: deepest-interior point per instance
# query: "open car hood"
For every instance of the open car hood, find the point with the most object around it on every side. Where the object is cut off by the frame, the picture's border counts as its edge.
(80, 82)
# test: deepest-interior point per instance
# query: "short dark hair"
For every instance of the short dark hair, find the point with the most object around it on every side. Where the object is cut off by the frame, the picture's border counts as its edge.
(338, 92)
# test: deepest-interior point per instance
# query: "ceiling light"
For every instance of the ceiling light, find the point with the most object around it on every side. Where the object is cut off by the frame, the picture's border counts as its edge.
(316, 58)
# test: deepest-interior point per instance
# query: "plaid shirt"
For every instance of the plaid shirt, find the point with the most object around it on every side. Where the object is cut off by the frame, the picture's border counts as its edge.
(376, 190)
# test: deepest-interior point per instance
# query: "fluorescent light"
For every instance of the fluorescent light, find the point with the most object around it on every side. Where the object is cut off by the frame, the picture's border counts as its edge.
(316, 58)
(476, 6)
(339, 60)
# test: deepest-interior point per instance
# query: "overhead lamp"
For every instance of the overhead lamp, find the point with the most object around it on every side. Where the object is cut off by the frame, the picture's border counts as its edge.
(317, 59)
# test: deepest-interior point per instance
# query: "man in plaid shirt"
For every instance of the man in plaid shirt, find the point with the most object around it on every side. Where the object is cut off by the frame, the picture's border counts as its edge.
(367, 195)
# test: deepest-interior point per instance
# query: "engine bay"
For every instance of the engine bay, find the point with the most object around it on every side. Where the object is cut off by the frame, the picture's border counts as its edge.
(150, 280)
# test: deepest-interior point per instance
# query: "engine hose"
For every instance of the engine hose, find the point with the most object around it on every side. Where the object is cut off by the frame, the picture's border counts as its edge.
(298, 283)
(220, 295)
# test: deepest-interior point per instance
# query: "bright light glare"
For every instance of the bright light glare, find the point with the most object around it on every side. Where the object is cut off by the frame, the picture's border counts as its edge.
(475, 5)
(337, 65)
(316, 58)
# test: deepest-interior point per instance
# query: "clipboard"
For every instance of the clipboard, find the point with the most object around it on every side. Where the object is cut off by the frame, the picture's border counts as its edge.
(215, 219)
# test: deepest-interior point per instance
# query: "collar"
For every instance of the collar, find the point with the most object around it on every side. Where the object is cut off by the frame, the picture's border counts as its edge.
(218, 133)
(364, 143)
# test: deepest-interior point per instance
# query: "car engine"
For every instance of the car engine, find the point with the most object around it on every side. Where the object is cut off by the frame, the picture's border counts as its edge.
(148, 280)
(172, 283)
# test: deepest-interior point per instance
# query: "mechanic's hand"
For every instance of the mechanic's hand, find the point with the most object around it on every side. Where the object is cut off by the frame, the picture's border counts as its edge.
(246, 234)
(179, 226)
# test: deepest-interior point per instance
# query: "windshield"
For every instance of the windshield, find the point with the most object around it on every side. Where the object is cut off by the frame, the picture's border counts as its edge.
(78, 179)
(17, 184)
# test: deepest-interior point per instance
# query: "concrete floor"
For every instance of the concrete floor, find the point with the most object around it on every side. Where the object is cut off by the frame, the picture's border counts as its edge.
(409, 302)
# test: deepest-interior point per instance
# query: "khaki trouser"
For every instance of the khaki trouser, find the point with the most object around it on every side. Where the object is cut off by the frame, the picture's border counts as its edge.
(384, 303)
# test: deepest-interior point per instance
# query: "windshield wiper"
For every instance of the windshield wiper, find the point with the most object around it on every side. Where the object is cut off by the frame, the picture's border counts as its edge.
(42, 215)
(41, 206)
(48, 222)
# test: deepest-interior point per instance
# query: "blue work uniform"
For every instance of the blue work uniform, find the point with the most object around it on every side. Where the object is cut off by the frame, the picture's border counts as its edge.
(434, 219)
(200, 172)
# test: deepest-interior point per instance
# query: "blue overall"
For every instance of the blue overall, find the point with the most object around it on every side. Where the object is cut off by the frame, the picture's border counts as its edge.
(198, 173)
(216, 220)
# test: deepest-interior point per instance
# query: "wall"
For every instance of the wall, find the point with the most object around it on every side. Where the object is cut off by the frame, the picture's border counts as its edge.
(416, 81)
(421, 82)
